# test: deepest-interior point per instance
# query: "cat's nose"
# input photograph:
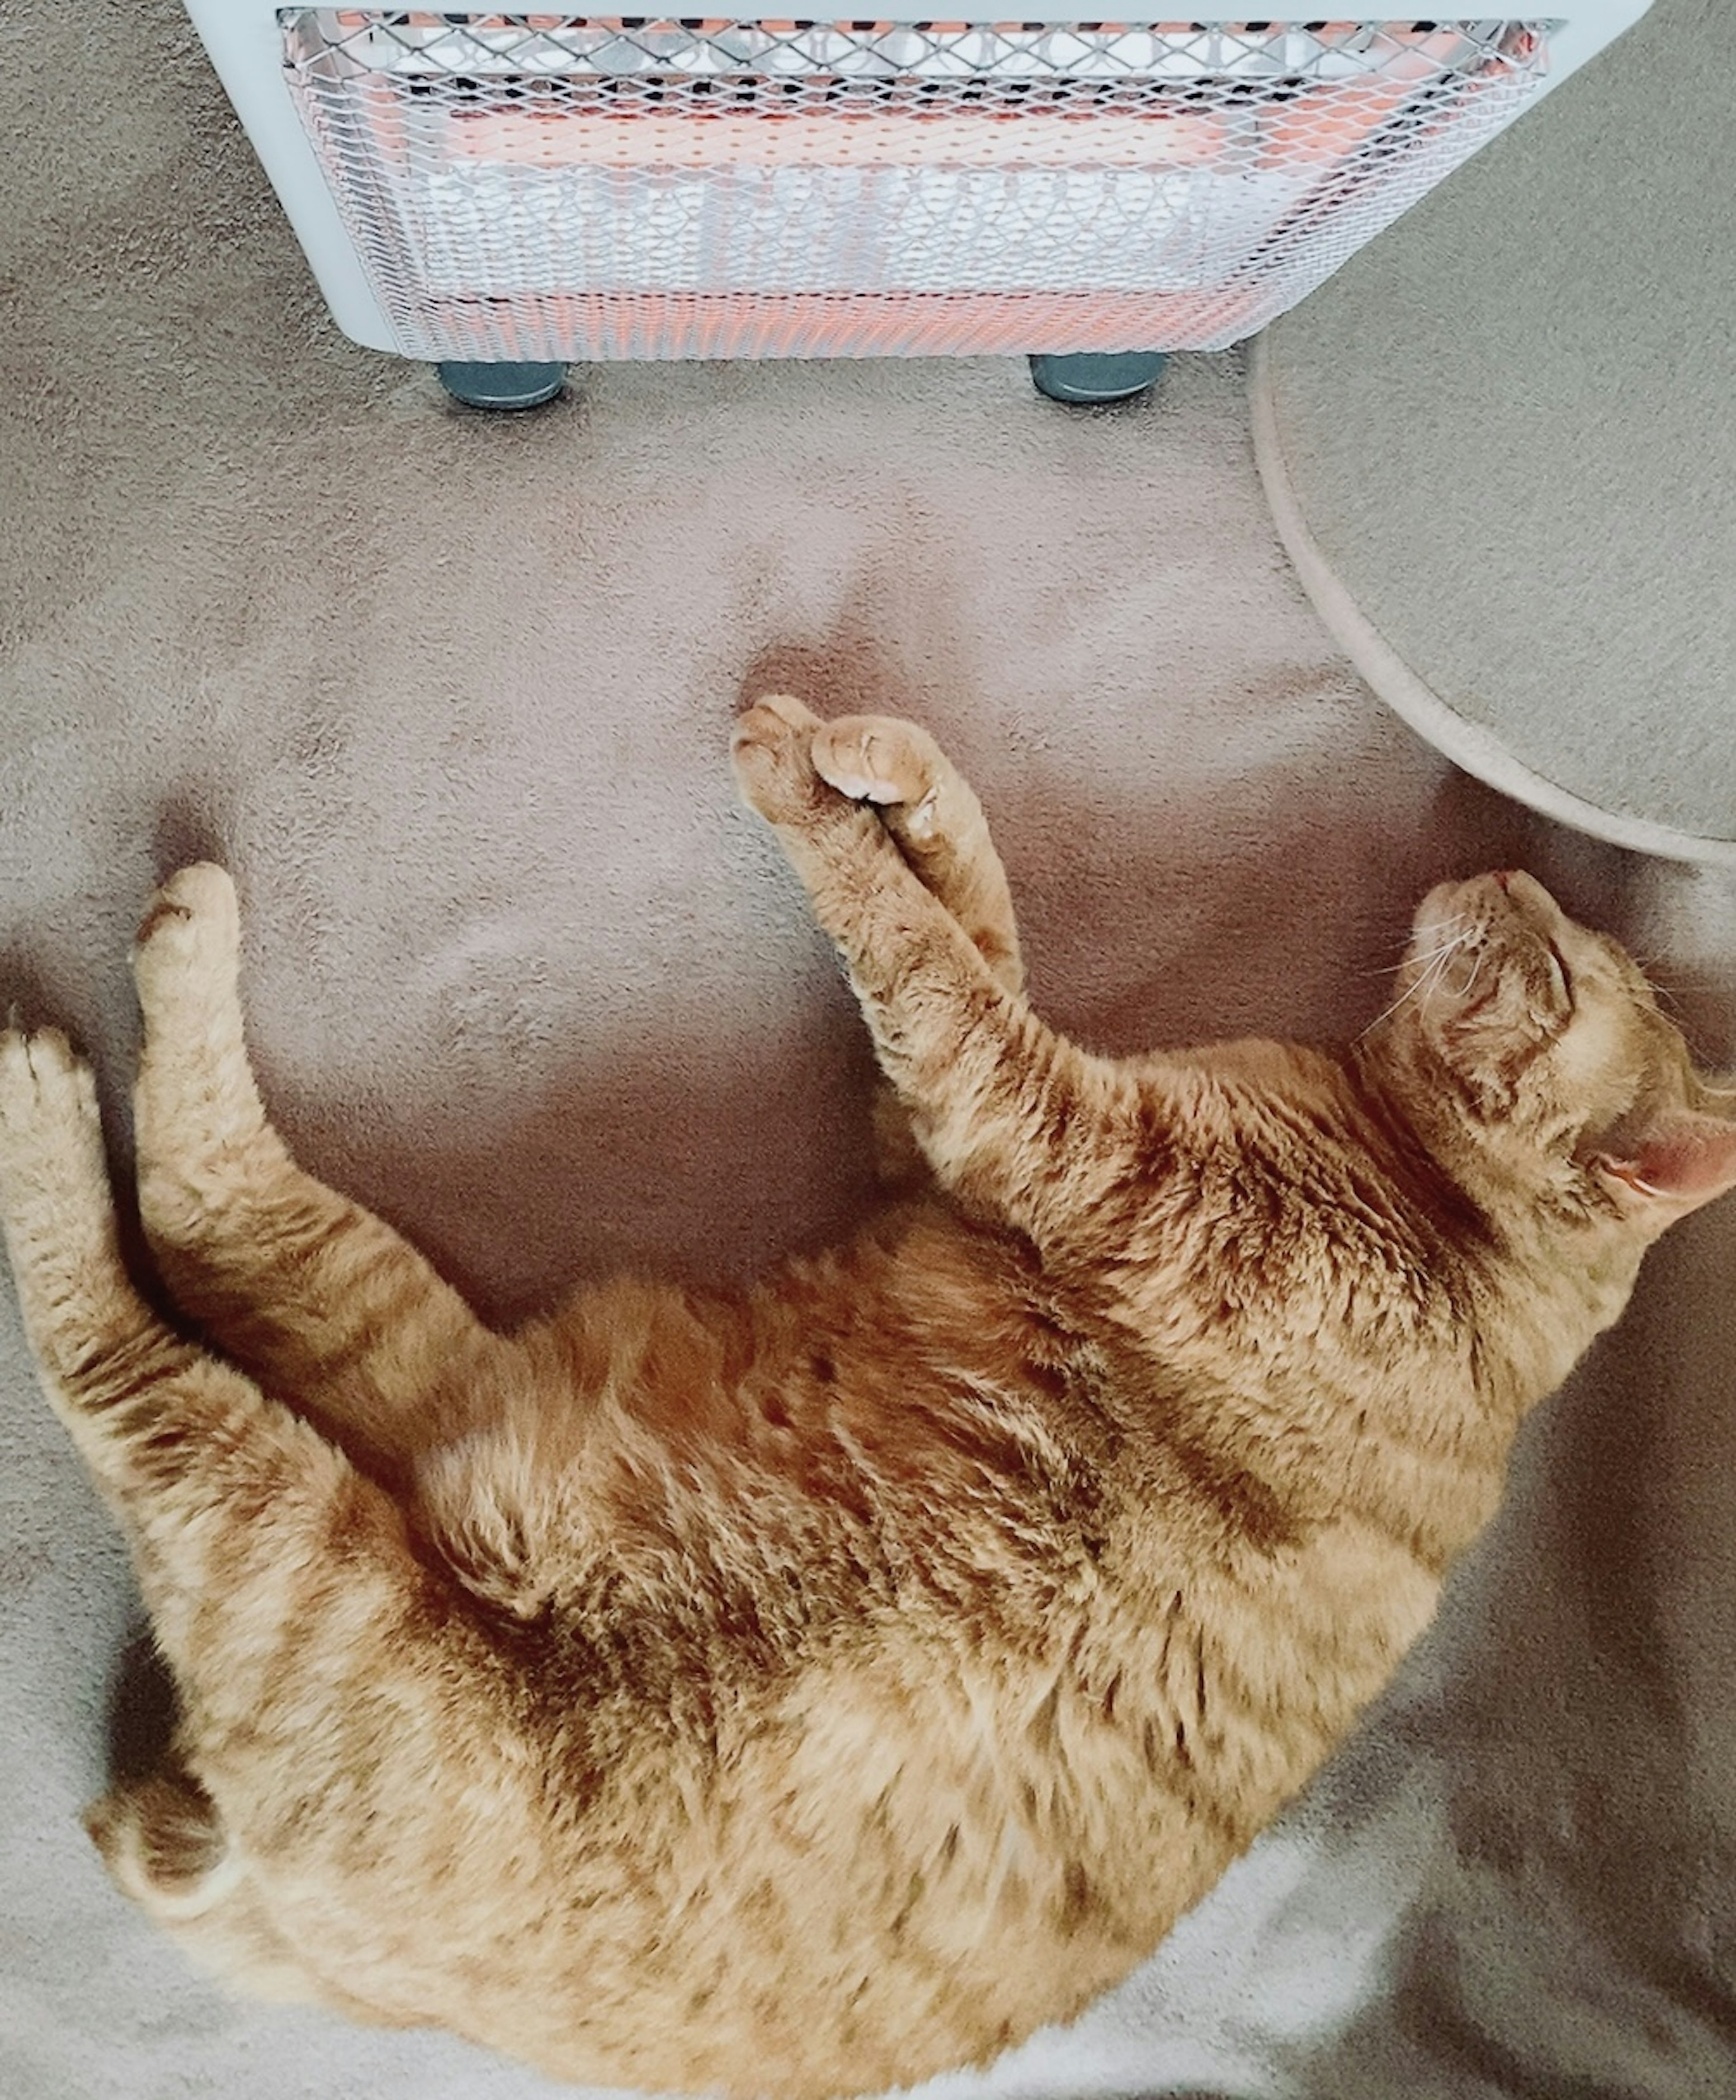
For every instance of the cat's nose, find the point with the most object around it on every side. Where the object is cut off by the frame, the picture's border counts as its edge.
(1505, 876)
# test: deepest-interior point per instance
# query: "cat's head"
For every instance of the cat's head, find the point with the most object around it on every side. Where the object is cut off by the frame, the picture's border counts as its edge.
(1534, 1049)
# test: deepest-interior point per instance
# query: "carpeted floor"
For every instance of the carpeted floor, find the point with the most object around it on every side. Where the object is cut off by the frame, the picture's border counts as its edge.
(451, 696)
(1507, 437)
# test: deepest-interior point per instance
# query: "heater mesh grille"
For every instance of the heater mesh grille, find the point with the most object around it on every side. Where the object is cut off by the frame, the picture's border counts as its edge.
(575, 188)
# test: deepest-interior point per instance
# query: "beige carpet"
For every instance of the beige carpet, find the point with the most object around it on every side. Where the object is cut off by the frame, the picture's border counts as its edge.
(451, 695)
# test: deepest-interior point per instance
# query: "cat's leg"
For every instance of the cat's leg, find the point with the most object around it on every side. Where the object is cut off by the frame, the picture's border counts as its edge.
(931, 811)
(284, 1592)
(1010, 1115)
(227, 1498)
(319, 1298)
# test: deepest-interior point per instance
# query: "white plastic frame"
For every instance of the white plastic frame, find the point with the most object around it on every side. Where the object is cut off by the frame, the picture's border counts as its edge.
(244, 43)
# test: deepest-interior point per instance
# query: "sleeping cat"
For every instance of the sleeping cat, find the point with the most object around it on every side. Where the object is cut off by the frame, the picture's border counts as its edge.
(801, 1692)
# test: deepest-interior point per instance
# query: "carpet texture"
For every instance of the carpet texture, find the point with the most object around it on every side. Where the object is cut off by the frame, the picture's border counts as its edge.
(452, 696)
(1507, 433)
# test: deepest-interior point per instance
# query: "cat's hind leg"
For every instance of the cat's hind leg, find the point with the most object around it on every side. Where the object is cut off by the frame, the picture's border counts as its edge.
(232, 1505)
(96, 1343)
(316, 1296)
(281, 1585)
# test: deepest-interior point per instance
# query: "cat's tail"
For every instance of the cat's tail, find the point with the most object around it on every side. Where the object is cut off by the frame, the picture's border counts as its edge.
(165, 1846)
(163, 1841)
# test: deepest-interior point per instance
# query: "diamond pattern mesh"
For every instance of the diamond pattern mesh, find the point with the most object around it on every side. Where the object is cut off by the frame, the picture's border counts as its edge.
(560, 187)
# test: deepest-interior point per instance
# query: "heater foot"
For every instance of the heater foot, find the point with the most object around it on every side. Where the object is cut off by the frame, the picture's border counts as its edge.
(1088, 380)
(502, 385)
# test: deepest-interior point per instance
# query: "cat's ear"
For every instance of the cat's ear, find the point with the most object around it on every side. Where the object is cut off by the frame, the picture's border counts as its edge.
(1680, 1160)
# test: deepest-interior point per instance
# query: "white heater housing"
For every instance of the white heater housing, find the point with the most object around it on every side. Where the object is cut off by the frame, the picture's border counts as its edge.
(498, 187)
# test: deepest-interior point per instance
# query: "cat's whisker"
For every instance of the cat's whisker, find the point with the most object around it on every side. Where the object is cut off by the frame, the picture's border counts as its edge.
(1451, 933)
(1387, 1013)
(1666, 994)
(1436, 974)
(1433, 965)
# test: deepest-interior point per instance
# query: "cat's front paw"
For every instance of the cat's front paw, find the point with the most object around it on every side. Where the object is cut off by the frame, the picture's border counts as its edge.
(772, 750)
(879, 759)
(189, 941)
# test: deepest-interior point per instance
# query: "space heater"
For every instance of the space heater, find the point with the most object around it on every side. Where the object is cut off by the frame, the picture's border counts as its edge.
(548, 186)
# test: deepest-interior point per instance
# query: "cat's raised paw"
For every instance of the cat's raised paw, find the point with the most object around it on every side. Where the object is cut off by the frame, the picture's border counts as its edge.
(43, 1080)
(190, 934)
(199, 899)
(772, 750)
(876, 758)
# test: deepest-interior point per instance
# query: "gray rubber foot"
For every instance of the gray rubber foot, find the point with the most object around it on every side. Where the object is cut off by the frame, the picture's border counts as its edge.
(1090, 379)
(502, 385)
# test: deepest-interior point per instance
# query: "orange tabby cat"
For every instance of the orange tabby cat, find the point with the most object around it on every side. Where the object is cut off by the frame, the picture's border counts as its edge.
(801, 1692)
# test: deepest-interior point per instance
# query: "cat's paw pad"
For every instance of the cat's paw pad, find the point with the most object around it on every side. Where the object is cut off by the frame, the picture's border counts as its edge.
(876, 758)
(192, 930)
(51, 1129)
(772, 751)
(196, 904)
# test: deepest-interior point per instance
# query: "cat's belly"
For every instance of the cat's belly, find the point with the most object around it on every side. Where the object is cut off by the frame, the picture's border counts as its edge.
(895, 1876)
(967, 1780)
(917, 1860)
(896, 1862)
